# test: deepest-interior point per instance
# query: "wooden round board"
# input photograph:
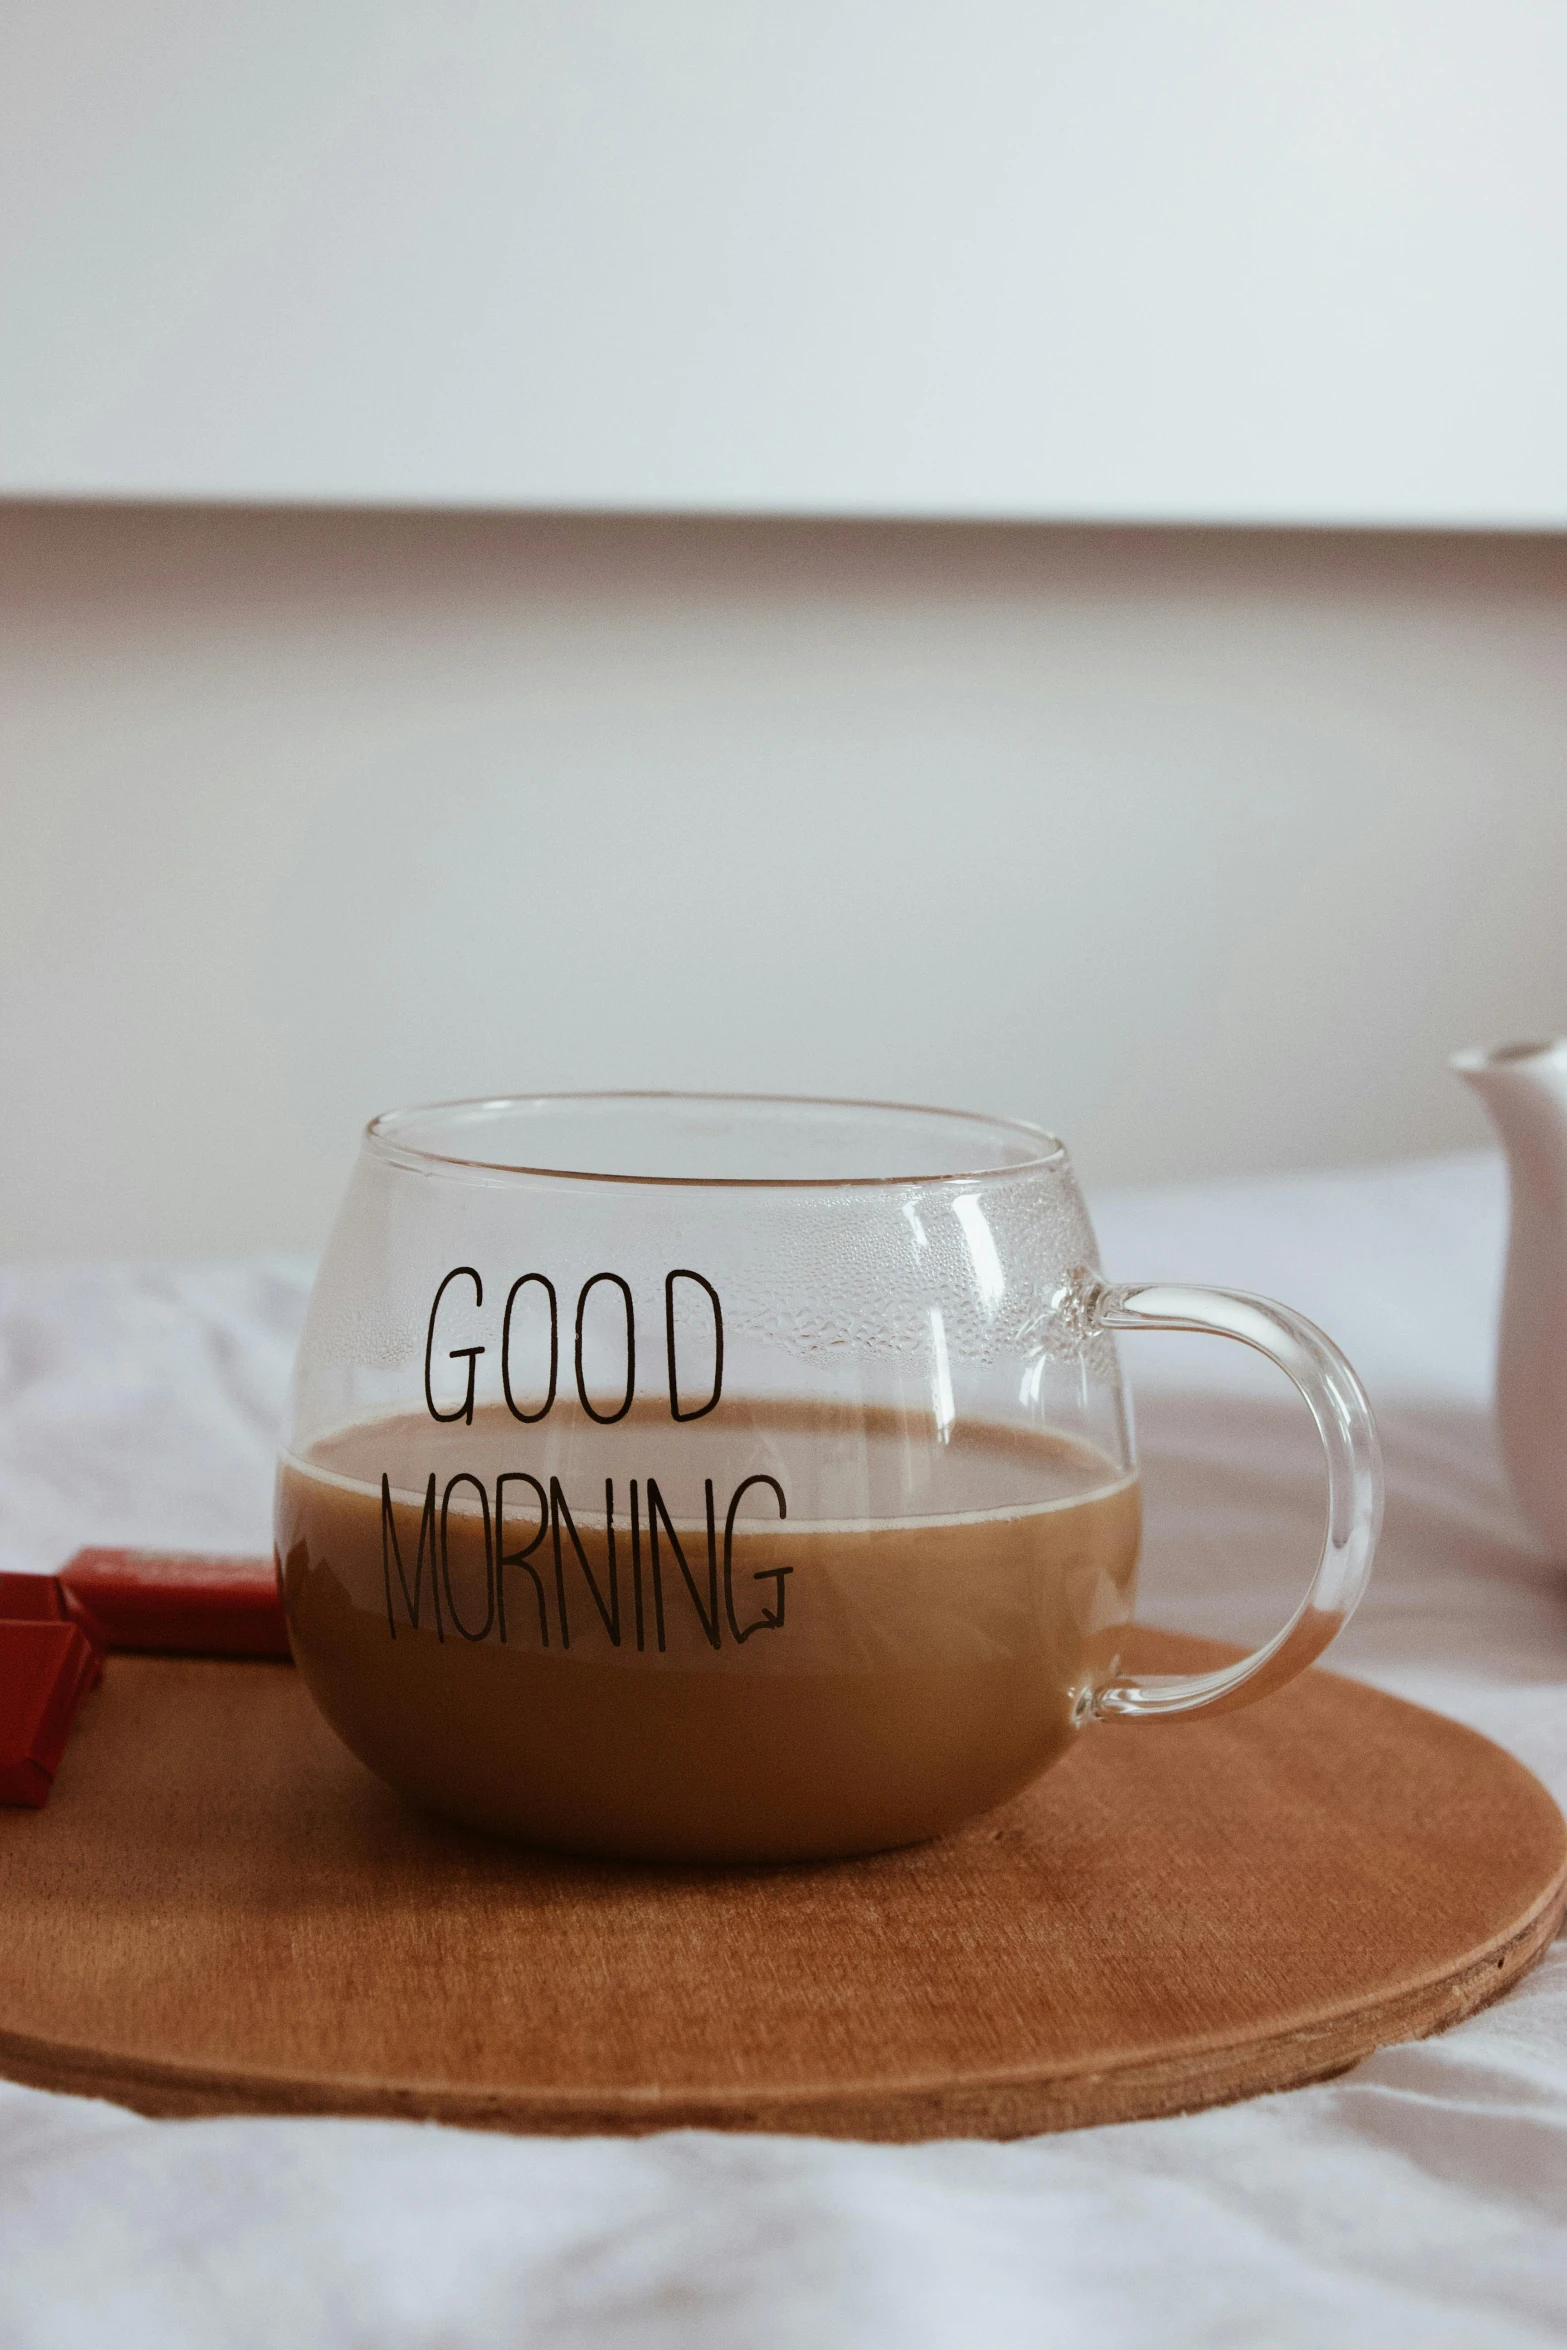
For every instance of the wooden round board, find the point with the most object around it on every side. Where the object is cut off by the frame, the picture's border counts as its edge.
(219, 1911)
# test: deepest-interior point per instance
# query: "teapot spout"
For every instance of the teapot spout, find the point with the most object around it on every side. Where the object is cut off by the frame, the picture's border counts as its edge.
(1524, 1089)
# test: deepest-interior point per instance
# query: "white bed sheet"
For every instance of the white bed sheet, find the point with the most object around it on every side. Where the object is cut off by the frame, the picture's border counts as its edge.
(1421, 2199)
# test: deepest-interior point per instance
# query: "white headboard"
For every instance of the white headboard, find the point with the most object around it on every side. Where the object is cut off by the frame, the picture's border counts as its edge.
(1246, 260)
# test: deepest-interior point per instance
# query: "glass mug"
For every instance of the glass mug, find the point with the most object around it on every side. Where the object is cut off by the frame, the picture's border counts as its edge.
(738, 1479)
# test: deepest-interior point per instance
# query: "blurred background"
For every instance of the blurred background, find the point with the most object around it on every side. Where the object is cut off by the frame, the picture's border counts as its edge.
(1011, 556)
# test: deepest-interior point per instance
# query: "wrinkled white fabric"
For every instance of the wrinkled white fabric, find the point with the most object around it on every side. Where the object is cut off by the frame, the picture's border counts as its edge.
(1420, 2200)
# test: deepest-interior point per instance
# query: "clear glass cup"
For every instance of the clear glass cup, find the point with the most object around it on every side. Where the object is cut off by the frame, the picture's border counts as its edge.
(735, 1479)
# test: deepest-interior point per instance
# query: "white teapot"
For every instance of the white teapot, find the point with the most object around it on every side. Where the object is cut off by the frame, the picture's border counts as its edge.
(1524, 1087)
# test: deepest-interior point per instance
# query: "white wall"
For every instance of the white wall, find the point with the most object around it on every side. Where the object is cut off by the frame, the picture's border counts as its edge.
(1256, 260)
(1203, 848)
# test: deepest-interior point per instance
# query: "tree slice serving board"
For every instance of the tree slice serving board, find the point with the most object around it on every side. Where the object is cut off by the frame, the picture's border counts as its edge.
(219, 1911)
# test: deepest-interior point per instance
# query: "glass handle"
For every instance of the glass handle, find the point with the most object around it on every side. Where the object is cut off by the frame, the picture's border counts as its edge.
(1337, 1402)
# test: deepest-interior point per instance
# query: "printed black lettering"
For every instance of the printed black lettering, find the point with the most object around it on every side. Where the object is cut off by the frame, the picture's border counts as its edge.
(707, 1616)
(608, 1419)
(512, 1405)
(456, 1354)
(610, 1615)
(684, 1273)
(390, 1552)
(636, 1571)
(519, 1558)
(464, 1478)
(766, 1621)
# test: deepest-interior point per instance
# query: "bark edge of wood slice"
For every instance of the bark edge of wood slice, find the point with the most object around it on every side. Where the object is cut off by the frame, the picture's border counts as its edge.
(221, 1912)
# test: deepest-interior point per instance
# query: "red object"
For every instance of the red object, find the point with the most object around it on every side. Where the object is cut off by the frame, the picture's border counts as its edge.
(179, 1601)
(38, 1599)
(45, 1671)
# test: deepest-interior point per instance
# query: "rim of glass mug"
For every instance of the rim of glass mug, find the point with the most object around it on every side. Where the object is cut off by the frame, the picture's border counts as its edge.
(1046, 1151)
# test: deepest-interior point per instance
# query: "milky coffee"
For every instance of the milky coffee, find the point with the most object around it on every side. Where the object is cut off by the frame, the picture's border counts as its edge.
(794, 1632)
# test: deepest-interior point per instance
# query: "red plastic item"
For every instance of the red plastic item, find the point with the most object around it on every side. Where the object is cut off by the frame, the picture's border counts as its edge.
(182, 1602)
(38, 1599)
(45, 1671)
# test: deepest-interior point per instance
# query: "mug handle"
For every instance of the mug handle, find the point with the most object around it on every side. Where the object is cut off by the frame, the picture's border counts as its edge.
(1337, 1403)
